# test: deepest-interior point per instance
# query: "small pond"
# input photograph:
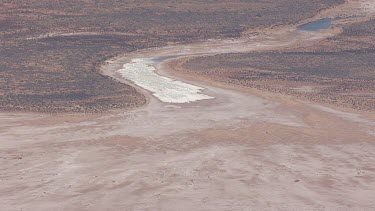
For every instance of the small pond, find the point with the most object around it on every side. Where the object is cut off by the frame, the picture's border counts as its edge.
(324, 23)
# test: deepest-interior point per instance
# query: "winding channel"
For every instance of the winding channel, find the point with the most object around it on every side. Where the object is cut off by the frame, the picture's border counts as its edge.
(179, 104)
(196, 144)
(140, 67)
(191, 101)
(142, 71)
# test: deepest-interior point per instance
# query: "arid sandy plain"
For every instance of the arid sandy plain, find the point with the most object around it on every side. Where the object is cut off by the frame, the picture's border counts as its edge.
(240, 149)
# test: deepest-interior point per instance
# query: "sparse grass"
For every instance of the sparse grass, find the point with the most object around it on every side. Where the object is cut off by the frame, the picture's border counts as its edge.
(59, 73)
(339, 70)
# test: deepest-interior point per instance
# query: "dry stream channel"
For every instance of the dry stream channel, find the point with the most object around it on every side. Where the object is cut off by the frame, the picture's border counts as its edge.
(195, 145)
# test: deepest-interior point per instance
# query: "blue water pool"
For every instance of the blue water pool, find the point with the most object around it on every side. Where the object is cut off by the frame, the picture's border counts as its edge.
(324, 23)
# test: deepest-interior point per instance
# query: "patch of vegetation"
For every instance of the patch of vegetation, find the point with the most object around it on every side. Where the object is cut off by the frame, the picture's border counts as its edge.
(51, 50)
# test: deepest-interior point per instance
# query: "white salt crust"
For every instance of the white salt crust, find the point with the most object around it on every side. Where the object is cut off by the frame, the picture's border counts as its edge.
(141, 72)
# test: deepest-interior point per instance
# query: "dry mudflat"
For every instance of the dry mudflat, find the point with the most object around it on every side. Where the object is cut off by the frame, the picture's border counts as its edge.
(243, 149)
(239, 151)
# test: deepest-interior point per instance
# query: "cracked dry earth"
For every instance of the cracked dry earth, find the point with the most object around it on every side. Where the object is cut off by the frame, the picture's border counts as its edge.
(241, 150)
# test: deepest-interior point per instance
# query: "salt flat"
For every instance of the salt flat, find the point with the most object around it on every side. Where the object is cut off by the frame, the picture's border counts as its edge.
(142, 73)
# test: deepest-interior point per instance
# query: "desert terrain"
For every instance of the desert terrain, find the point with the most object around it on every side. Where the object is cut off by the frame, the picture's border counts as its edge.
(51, 50)
(337, 70)
(227, 114)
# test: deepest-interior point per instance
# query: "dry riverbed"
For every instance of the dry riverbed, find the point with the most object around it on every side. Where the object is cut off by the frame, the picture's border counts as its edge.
(240, 149)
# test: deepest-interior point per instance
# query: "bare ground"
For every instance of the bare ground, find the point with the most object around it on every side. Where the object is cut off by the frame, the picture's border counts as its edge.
(338, 70)
(246, 149)
(51, 50)
(231, 154)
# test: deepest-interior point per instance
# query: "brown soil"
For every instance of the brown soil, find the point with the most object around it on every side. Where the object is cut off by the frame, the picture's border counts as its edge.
(51, 49)
(339, 70)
